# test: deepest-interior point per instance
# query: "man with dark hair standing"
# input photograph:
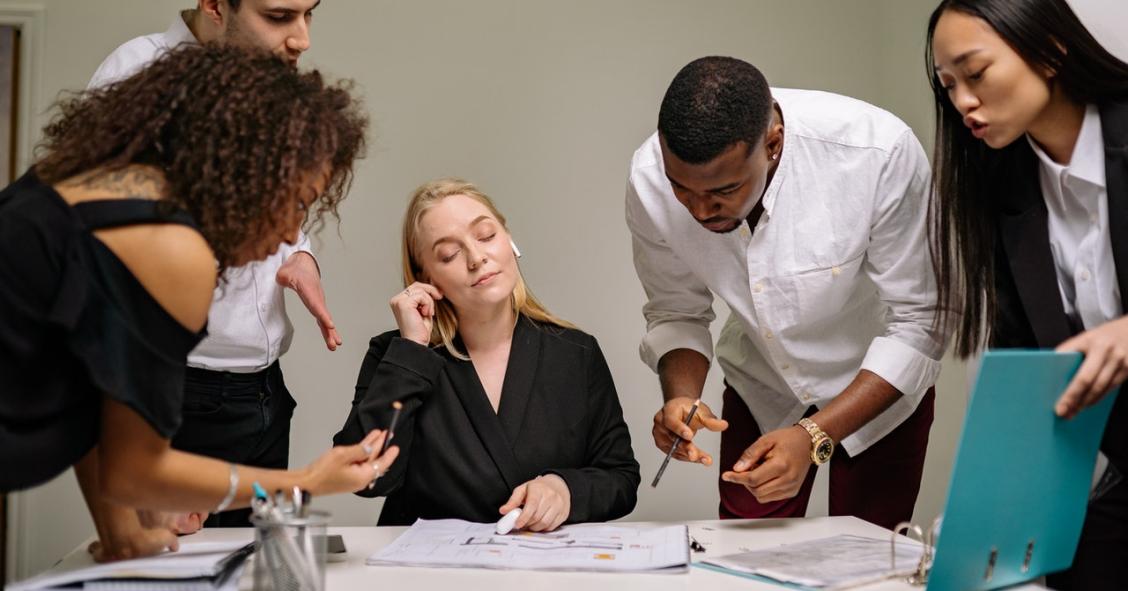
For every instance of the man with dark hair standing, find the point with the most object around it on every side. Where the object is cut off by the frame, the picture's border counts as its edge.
(804, 211)
(236, 405)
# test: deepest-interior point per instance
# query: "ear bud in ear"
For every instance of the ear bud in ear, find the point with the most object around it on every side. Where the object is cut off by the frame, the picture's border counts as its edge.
(516, 251)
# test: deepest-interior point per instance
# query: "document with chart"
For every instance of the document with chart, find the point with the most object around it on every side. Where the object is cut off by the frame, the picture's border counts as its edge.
(584, 547)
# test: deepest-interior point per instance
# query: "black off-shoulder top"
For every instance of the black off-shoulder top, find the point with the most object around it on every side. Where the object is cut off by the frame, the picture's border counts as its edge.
(75, 324)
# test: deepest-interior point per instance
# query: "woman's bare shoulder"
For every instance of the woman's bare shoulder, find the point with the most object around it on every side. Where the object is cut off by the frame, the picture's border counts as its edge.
(172, 262)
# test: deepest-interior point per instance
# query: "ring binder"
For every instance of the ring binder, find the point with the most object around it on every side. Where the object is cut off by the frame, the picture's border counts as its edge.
(928, 541)
(996, 533)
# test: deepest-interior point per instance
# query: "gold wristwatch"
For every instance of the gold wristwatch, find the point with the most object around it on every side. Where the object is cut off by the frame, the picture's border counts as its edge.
(822, 446)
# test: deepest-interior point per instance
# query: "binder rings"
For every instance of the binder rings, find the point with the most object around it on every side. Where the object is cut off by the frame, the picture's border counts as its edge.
(1021, 480)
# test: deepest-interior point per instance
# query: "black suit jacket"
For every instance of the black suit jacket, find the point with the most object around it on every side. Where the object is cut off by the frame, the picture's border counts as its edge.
(1030, 313)
(559, 414)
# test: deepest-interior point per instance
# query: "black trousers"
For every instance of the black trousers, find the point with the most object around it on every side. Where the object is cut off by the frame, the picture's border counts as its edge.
(241, 418)
(1102, 552)
(1103, 549)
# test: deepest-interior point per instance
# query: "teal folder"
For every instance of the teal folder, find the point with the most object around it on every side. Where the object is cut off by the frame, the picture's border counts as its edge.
(1022, 475)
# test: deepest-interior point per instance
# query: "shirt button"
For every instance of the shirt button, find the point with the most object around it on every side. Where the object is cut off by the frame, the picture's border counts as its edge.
(1084, 274)
(768, 334)
(785, 366)
(806, 396)
(835, 271)
(759, 287)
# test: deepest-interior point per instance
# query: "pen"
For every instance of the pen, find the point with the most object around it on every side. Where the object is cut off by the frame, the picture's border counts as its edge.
(674, 447)
(397, 406)
(695, 545)
(306, 497)
(260, 503)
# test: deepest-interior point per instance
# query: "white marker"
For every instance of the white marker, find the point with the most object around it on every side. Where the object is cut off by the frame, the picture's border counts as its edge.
(506, 523)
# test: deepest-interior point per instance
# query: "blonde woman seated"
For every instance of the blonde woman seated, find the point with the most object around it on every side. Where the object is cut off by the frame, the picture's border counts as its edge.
(504, 405)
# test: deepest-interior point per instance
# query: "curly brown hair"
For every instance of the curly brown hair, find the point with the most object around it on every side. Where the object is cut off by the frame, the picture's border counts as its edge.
(236, 132)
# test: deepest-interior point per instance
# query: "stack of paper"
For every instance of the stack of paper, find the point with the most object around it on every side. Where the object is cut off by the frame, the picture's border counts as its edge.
(837, 562)
(588, 547)
(197, 565)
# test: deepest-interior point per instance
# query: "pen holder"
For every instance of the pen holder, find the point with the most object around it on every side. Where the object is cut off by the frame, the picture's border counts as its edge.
(291, 551)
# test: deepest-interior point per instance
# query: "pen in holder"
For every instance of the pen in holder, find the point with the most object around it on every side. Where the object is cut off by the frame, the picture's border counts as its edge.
(919, 575)
(291, 549)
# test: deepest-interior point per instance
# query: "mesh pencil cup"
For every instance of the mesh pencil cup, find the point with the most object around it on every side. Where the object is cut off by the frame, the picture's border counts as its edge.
(291, 551)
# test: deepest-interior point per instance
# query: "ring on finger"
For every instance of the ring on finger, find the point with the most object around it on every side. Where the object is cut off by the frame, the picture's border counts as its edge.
(376, 469)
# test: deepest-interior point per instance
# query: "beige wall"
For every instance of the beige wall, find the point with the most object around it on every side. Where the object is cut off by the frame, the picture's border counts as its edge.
(542, 104)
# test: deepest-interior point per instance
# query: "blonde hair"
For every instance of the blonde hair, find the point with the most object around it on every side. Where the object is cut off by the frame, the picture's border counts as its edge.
(445, 326)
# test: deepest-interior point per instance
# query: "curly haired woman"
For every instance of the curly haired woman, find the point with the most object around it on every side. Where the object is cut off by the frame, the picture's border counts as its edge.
(110, 249)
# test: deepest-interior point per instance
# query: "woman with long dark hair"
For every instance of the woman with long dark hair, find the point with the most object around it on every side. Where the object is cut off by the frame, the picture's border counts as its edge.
(110, 249)
(1029, 221)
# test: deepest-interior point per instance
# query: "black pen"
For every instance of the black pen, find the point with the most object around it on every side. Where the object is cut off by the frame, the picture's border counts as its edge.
(397, 406)
(674, 447)
(695, 545)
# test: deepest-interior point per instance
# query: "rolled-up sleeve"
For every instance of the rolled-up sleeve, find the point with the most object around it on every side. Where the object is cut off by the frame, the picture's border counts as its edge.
(897, 260)
(679, 306)
(303, 245)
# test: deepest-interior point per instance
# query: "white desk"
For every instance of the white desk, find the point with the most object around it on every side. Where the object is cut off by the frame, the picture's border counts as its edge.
(718, 537)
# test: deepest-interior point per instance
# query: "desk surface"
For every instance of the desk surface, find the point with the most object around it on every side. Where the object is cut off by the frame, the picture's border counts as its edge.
(718, 537)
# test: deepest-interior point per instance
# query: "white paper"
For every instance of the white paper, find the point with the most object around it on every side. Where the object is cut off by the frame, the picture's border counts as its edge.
(588, 547)
(836, 562)
(194, 559)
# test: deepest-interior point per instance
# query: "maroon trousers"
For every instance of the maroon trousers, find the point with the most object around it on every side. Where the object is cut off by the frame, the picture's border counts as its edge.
(879, 485)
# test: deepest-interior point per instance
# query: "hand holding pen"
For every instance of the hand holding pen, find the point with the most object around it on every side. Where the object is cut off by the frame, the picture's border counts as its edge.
(674, 447)
(397, 406)
(349, 468)
(673, 423)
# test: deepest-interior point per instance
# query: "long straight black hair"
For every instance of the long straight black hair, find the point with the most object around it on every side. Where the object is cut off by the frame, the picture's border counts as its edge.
(971, 178)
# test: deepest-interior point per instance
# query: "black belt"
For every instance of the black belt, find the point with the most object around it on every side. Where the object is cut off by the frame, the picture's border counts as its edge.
(212, 377)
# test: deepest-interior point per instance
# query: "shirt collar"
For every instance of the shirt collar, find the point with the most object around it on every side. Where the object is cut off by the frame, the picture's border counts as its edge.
(1087, 162)
(772, 190)
(179, 32)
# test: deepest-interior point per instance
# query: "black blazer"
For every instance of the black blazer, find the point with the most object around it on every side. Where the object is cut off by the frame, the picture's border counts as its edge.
(558, 414)
(1030, 313)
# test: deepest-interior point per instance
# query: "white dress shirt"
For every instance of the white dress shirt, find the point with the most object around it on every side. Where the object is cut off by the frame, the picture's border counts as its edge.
(1077, 202)
(247, 324)
(136, 53)
(836, 277)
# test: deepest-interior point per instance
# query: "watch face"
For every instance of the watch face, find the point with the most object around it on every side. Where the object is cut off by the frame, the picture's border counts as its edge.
(823, 449)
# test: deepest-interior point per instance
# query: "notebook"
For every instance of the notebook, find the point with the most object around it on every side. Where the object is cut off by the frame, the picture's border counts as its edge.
(197, 565)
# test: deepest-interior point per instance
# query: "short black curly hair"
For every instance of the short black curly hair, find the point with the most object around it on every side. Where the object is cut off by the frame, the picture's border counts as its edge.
(713, 103)
(235, 132)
